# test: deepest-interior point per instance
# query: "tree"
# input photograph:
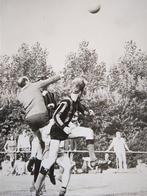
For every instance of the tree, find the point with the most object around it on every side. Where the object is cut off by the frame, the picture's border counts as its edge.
(128, 80)
(5, 79)
(130, 73)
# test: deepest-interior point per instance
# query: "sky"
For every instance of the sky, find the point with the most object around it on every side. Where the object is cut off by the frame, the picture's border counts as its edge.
(60, 25)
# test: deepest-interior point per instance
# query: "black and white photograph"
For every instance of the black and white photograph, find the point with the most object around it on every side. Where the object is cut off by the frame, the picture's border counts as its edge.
(73, 97)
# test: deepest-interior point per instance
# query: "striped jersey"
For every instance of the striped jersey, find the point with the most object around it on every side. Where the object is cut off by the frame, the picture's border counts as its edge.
(50, 102)
(65, 112)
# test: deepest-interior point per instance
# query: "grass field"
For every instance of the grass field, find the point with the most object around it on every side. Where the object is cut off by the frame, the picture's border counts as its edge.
(107, 183)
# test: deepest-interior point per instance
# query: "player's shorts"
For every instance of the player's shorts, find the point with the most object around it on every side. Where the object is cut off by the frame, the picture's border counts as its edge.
(57, 133)
(37, 121)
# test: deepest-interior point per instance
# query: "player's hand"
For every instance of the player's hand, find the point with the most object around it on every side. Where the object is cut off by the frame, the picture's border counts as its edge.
(67, 130)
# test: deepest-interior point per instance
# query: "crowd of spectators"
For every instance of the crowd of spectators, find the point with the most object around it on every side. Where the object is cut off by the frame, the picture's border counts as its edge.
(16, 152)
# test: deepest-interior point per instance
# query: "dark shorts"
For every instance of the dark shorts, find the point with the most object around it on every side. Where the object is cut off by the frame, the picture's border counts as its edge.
(37, 121)
(57, 133)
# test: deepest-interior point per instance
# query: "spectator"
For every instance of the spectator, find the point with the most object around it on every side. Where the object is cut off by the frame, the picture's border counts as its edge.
(106, 165)
(141, 167)
(6, 166)
(10, 147)
(86, 165)
(20, 166)
(120, 148)
(23, 142)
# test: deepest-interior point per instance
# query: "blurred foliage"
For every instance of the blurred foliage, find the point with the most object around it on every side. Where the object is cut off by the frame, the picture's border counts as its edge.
(117, 96)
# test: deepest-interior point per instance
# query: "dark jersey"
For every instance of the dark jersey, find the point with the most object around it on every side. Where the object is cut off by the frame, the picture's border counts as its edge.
(50, 102)
(65, 112)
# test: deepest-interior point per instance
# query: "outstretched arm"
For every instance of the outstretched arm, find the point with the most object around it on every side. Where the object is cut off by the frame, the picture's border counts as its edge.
(45, 83)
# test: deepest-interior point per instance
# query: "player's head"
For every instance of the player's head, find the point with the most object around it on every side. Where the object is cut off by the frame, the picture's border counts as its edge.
(78, 85)
(22, 81)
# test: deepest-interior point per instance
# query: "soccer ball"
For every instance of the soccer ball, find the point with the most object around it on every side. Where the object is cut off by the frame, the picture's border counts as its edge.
(94, 7)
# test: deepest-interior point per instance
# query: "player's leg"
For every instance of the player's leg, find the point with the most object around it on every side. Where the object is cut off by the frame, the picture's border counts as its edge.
(38, 161)
(46, 129)
(36, 169)
(36, 122)
(88, 134)
(47, 163)
(59, 176)
(35, 160)
(85, 167)
(66, 164)
(51, 171)
(45, 132)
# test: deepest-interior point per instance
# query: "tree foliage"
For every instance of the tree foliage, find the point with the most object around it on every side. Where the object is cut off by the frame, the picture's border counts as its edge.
(130, 73)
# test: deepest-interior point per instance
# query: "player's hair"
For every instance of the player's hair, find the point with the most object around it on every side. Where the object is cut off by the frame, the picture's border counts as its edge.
(78, 85)
(22, 81)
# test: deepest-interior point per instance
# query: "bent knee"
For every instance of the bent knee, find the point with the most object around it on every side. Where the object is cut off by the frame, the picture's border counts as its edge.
(89, 134)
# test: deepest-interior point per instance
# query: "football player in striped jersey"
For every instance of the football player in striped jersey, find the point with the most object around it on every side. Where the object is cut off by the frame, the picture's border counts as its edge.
(62, 130)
